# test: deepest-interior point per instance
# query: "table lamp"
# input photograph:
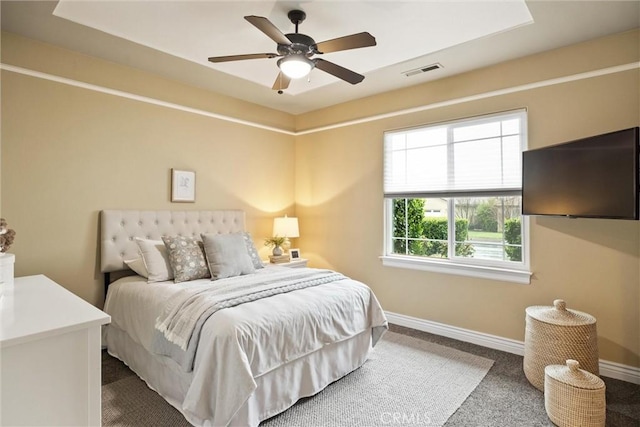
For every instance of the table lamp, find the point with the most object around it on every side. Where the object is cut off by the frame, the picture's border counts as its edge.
(286, 227)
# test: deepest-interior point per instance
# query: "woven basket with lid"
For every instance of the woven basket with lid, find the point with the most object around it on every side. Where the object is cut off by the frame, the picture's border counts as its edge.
(574, 397)
(555, 334)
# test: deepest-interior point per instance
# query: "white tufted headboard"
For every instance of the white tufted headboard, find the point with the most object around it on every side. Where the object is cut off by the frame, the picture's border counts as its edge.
(119, 228)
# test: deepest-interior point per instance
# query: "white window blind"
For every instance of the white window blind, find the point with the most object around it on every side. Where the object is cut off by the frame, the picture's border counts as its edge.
(480, 156)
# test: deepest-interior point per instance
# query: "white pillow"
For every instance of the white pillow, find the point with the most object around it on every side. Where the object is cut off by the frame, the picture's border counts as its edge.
(137, 265)
(156, 259)
(227, 255)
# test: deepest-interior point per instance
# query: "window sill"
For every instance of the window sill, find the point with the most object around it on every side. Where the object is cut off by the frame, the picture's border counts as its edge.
(449, 267)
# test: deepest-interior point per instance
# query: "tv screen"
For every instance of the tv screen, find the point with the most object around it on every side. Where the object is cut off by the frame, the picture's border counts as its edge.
(595, 177)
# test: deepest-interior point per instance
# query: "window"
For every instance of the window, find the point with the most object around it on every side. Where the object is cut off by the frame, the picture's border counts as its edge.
(453, 197)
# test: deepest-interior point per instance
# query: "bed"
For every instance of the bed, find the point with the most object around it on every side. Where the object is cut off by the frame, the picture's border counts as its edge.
(246, 359)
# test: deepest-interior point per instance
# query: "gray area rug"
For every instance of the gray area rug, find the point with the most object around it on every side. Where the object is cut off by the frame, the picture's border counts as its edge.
(406, 381)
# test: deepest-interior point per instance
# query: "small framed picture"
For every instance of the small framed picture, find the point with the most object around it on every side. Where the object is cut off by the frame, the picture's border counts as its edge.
(294, 254)
(183, 186)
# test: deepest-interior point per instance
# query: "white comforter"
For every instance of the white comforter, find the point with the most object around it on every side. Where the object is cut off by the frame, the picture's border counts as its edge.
(241, 343)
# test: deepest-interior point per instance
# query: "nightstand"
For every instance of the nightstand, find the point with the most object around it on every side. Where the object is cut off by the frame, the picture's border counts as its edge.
(298, 263)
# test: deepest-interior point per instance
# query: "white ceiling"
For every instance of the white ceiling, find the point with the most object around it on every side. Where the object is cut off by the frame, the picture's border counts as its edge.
(203, 29)
(175, 38)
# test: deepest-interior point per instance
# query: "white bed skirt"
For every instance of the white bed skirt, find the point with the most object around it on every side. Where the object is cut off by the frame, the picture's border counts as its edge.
(276, 390)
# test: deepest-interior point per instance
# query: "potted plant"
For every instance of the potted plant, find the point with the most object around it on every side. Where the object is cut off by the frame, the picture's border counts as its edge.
(276, 242)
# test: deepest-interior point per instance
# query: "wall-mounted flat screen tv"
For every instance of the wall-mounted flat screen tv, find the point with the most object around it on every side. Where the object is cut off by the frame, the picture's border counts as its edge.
(595, 177)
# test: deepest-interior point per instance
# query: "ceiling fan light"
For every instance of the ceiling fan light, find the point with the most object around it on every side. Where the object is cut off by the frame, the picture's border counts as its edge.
(295, 66)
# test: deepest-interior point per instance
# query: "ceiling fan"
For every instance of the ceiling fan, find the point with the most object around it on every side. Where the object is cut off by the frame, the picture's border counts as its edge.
(296, 51)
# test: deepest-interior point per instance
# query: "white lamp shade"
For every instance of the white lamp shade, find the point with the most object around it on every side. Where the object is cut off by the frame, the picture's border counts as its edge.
(286, 227)
(295, 66)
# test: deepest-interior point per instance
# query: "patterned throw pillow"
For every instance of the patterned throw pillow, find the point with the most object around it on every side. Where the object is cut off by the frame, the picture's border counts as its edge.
(186, 257)
(253, 252)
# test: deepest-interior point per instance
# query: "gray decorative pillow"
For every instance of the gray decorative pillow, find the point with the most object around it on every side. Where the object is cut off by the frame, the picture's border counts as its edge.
(252, 251)
(227, 255)
(186, 258)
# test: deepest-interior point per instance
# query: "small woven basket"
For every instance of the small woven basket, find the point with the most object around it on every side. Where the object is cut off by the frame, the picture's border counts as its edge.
(574, 397)
(555, 334)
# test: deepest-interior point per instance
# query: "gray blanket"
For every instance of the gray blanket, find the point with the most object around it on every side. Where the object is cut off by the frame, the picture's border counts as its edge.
(178, 327)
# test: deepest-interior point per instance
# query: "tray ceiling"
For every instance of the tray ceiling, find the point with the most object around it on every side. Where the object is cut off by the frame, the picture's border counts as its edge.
(175, 38)
(197, 30)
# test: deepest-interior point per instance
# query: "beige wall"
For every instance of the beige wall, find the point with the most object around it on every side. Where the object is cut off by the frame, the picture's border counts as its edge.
(68, 152)
(592, 264)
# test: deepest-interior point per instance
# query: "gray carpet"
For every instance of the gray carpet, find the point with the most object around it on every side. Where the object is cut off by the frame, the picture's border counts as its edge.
(503, 398)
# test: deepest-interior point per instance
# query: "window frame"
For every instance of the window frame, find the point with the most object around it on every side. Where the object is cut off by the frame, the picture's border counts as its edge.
(517, 272)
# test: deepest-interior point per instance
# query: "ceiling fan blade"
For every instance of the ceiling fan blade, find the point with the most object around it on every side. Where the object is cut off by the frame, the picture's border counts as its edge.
(242, 57)
(354, 41)
(264, 25)
(338, 71)
(282, 82)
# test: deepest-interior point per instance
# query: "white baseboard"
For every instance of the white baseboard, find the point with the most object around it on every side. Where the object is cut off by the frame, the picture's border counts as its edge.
(607, 369)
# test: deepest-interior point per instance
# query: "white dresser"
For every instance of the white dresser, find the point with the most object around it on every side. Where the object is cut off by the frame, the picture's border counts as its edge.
(50, 356)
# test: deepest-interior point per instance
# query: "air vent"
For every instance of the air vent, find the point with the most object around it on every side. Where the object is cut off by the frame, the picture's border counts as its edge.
(421, 70)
